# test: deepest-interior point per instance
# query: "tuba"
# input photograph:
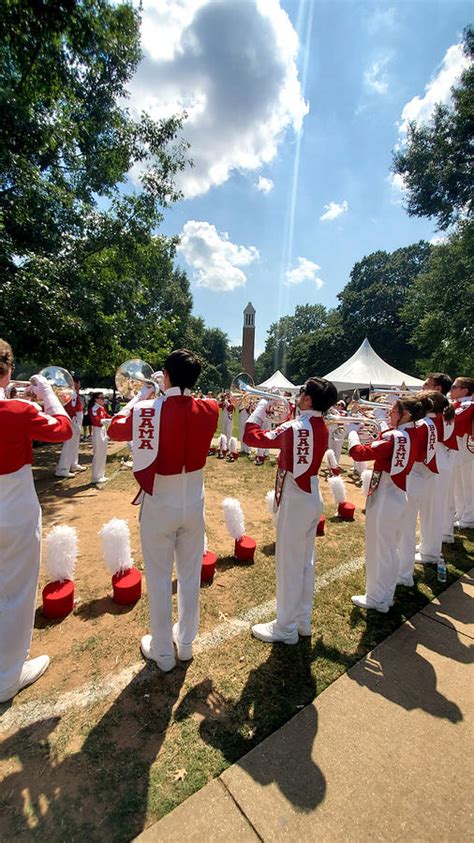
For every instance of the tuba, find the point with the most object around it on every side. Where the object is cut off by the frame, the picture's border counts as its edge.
(132, 376)
(59, 379)
(243, 392)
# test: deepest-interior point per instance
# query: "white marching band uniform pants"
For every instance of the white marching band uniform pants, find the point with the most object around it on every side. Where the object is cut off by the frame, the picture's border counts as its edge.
(172, 530)
(298, 516)
(419, 482)
(99, 448)
(243, 416)
(384, 515)
(464, 485)
(433, 507)
(227, 424)
(336, 441)
(70, 450)
(20, 551)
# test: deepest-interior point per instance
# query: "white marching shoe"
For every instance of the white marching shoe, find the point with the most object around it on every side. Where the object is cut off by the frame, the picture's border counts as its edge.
(63, 473)
(78, 467)
(304, 629)
(420, 561)
(100, 481)
(165, 663)
(270, 633)
(184, 651)
(364, 602)
(30, 672)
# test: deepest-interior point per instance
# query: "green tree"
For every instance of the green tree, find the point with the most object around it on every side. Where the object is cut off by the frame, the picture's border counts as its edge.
(437, 164)
(373, 300)
(440, 309)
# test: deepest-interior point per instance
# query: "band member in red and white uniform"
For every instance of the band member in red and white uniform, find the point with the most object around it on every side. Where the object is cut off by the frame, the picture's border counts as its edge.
(394, 453)
(302, 443)
(171, 437)
(434, 500)
(462, 393)
(337, 434)
(20, 522)
(98, 414)
(69, 459)
(419, 480)
(227, 417)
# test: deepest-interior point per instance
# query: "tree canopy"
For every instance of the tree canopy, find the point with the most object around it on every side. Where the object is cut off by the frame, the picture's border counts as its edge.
(437, 163)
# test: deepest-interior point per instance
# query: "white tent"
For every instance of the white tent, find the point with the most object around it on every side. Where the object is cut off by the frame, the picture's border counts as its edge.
(365, 368)
(277, 381)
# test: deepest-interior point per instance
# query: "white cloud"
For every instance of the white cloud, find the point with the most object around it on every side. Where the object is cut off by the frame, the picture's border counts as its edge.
(232, 66)
(439, 240)
(304, 271)
(397, 188)
(333, 210)
(264, 185)
(212, 256)
(376, 78)
(438, 90)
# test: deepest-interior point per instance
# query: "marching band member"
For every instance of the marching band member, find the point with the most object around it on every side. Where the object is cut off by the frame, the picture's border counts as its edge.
(171, 437)
(434, 500)
(419, 481)
(394, 453)
(227, 417)
(69, 459)
(302, 443)
(20, 522)
(462, 393)
(337, 434)
(437, 382)
(98, 414)
(262, 453)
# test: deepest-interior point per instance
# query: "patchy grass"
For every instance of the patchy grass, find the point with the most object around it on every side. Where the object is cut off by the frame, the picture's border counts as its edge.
(106, 772)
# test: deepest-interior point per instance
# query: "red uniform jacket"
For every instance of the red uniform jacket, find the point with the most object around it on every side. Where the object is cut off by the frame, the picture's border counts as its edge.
(381, 450)
(464, 416)
(97, 414)
(20, 423)
(186, 428)
(427, 439)
(297, 454)
(74, 406)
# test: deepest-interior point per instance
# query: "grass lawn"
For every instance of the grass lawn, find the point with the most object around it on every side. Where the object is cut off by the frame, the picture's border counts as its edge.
(106, 771)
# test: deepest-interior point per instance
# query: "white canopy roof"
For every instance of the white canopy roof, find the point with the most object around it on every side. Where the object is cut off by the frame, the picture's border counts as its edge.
(277, 381)
(365, 368)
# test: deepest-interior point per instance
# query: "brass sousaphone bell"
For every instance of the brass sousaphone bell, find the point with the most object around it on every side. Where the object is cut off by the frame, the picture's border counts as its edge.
(59, 379)
(132, 376)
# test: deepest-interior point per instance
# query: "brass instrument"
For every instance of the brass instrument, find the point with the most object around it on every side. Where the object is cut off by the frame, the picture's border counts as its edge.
(59, 379)
(243, 392)
(132, 376)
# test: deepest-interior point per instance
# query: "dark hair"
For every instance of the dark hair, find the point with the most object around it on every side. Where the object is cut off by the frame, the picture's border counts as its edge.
(323, 393)
(183, 368)
(6, 357)
(466, 383)
(413, 406)
(426, 401)
(441, 379)
(441, 405)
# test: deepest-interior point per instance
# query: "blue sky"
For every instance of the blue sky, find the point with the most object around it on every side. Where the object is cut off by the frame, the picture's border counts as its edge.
(295, 108)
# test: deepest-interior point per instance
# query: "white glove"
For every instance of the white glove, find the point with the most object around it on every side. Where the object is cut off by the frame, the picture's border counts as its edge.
(44, 391)
(259, 414)
(353, 439)
(158, 378)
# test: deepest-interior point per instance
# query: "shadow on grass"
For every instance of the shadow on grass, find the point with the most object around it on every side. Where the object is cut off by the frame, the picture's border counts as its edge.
(225, 563)
(274, 692)
(101, 791)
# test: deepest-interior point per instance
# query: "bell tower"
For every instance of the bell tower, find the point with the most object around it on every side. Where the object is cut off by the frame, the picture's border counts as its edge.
(248, 340)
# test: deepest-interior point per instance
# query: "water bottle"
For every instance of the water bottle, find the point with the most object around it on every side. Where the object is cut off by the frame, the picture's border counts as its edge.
(442, 575)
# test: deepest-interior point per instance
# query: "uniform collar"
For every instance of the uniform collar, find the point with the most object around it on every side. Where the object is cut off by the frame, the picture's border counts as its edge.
(313, 413)
(175, 390)
(407, 426)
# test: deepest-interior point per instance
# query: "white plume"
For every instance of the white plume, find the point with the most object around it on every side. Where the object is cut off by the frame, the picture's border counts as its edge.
(233, 445)
(206, 545)
(234, 517)
(61, 553)
(338, 489)
(222, 442)
(270, 500)
(330, 458)
(366, 477)
(116, 548)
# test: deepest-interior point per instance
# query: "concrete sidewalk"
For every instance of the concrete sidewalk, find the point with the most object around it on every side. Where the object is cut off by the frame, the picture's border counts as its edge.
(385, 753)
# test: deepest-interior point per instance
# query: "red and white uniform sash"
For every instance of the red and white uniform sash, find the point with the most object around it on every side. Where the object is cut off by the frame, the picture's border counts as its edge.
(431, 444)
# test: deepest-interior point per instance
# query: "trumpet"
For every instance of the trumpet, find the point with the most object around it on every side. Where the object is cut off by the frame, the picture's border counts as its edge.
(364, 423)
(60, 380)
(132, 376)
(243, 392)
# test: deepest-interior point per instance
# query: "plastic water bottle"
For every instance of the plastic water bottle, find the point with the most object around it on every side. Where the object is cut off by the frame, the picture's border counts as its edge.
(442, 575)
